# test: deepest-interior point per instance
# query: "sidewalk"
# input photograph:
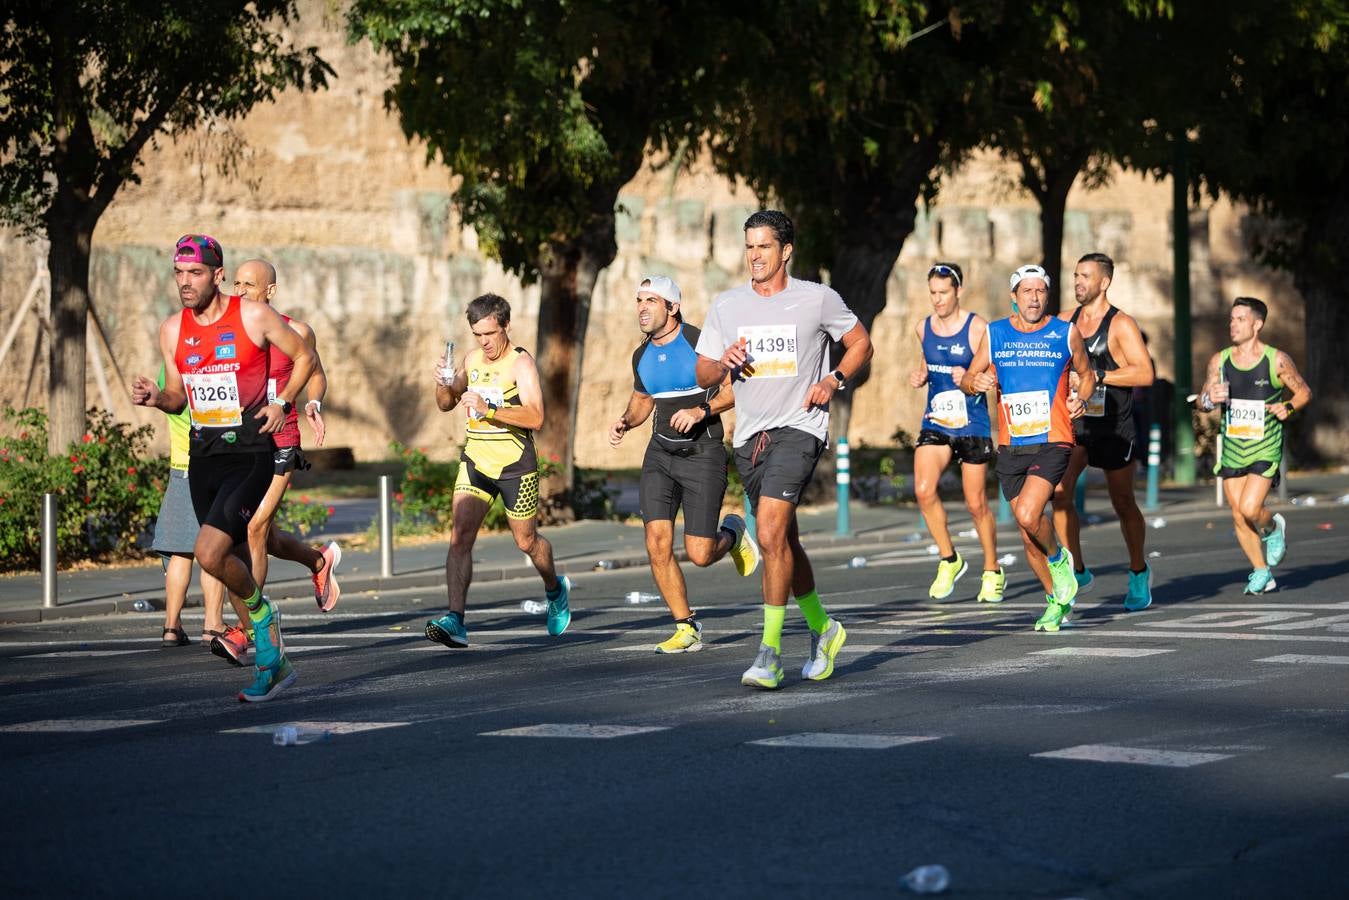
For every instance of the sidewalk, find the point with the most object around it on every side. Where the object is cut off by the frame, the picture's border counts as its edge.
(577, 547)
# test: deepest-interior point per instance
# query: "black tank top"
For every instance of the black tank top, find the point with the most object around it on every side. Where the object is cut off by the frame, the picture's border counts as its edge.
(1118, 401)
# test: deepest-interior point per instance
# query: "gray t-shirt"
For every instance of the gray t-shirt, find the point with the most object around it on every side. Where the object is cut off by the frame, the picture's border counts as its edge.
(789, 336)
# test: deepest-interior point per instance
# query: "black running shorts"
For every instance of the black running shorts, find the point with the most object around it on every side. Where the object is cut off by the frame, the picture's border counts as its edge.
(1110, 445)
(1016, 464)
(777, 463)
(227, 488)
(520, 496)
(693, 478)
(288, 459)
(972, 449)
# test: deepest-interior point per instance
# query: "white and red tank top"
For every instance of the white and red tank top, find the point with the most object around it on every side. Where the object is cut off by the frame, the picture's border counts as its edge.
(280, 366)
(225, 375)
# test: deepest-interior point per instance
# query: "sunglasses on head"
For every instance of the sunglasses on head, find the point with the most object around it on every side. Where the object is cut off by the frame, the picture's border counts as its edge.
(945, 272)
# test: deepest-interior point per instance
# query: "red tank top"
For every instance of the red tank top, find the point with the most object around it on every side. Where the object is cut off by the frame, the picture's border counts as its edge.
(225, 374)
(281, 365)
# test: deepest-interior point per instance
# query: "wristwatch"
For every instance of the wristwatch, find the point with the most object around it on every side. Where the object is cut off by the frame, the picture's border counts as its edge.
(1288, 405)
(491, 410)
(1100, 376)
(707, 409)
(286, 405)
(838, 376)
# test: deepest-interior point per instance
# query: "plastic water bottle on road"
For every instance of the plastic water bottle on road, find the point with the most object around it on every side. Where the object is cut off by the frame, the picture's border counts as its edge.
(295, 735)
(857, 562)
(636, 597)
(534, 607)
(927, 880)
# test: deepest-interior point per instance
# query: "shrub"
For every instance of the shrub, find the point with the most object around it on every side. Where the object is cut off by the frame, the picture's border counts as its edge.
(300, 516)
(424, 501)
(108, 491)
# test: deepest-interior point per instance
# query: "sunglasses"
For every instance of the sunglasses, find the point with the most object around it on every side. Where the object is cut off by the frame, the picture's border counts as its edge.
(945, 272)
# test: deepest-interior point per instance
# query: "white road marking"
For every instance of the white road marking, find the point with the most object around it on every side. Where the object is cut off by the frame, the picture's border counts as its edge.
(1232, 619)
(1110, 753)
(1121, 652)
(1343, 775)
(1307, 658)
(826, 741)
(1227, 636)
(71, 654)
(76, 725)
(427, 646)
(575, 730)
(330, 727)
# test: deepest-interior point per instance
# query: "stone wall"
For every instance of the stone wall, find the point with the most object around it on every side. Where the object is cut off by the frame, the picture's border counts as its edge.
(369, 251)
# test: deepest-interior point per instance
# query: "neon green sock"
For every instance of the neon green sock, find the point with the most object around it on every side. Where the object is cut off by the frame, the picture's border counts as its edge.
(773, 617)
(813, 610)
(257, 610)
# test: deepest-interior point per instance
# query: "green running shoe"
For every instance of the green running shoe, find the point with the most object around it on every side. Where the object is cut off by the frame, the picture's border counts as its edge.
(1140, 590)
(948, 573)
(1276, 545)
(448, 630)
(559, 611)
(991, 585)
(1064, 579)
(1261, 581)
(1055, 615)
(269, 681)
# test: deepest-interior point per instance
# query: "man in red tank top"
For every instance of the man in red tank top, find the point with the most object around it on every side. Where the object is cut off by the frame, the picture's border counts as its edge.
(256, 280)
(216, 366)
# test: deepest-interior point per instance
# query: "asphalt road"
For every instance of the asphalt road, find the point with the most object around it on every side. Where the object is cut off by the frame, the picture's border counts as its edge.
(1198, 749)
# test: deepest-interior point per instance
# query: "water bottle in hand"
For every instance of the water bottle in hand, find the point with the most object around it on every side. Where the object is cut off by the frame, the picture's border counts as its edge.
(927, 879)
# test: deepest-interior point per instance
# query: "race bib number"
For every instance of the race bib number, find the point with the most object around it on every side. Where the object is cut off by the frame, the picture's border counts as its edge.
(1096, 402)
(948, 410)
(490, 395)
(1027, 413)
(1245, 419)
(213, 400)
(772, 350)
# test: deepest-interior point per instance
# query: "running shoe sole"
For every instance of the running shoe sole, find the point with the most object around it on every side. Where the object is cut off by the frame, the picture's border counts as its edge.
(435, 633)
(333, 590)
(219, 649)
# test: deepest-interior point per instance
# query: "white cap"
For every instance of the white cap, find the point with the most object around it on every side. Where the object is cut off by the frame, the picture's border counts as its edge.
(661, 286)
(1030, 271)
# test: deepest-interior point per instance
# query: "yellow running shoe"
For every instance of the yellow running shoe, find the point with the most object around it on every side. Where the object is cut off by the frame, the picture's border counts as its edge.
(744, 552)
(991, 585)
(948, 573)
(686, 639)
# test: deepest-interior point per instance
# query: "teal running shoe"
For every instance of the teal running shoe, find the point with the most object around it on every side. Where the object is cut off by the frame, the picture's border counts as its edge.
(268, 645)
(269, 681)
(1064, 579)
(1261, 581)
(1276, 545)
(1139, 596)
(559, 610)
(1085, 580)
(448, 630)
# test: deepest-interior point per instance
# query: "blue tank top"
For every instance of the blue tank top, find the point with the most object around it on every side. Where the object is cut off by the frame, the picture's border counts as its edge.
(950, 410)
(1032, 371)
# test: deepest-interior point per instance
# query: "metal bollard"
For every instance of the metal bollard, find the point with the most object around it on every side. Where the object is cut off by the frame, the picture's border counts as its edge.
(1218, 482)
(842, 479)
(385, 526)
(48, 551)
(1154, 465)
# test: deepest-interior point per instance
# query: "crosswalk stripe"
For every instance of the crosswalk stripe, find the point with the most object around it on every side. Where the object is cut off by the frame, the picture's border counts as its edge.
(575, 730)
(828, 741)
(76, 725)
(330, 727)
(72, 654)
(1110, 753)
(1307, 658)
(1121, 652)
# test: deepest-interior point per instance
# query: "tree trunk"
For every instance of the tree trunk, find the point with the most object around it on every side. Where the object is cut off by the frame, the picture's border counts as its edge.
(1051, 182)
(68, 264)
(569, 271)
(1323, 432)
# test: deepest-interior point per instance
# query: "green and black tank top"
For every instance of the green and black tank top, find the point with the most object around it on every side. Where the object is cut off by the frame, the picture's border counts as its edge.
(1251, 435)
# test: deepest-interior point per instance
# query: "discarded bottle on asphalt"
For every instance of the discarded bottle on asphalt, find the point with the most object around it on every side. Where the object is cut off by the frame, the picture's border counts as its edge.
(1006, 559)
(857, 562)
(605, 564)
(143, 606)
(635, 597)
(1158, 522)
(295, 735)
(927, 880)
(534, 607)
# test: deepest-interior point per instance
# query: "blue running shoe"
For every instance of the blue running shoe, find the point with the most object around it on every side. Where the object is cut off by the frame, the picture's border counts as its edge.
(559, 611)
(1276, 545)
(1085, 580)
(1140, 590)
(448, 630)
(1261, 581)
(268, 645)
(269, 681)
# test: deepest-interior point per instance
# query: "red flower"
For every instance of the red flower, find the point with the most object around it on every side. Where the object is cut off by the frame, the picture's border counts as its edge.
(88, 500)
(331, 510)
(20, 457)
(102, 440)
(72, 458)
(131, 470)
(88, 437)
(77, 470)
(131, 485)
(398, 497)
(304, 498)
(554, 457)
